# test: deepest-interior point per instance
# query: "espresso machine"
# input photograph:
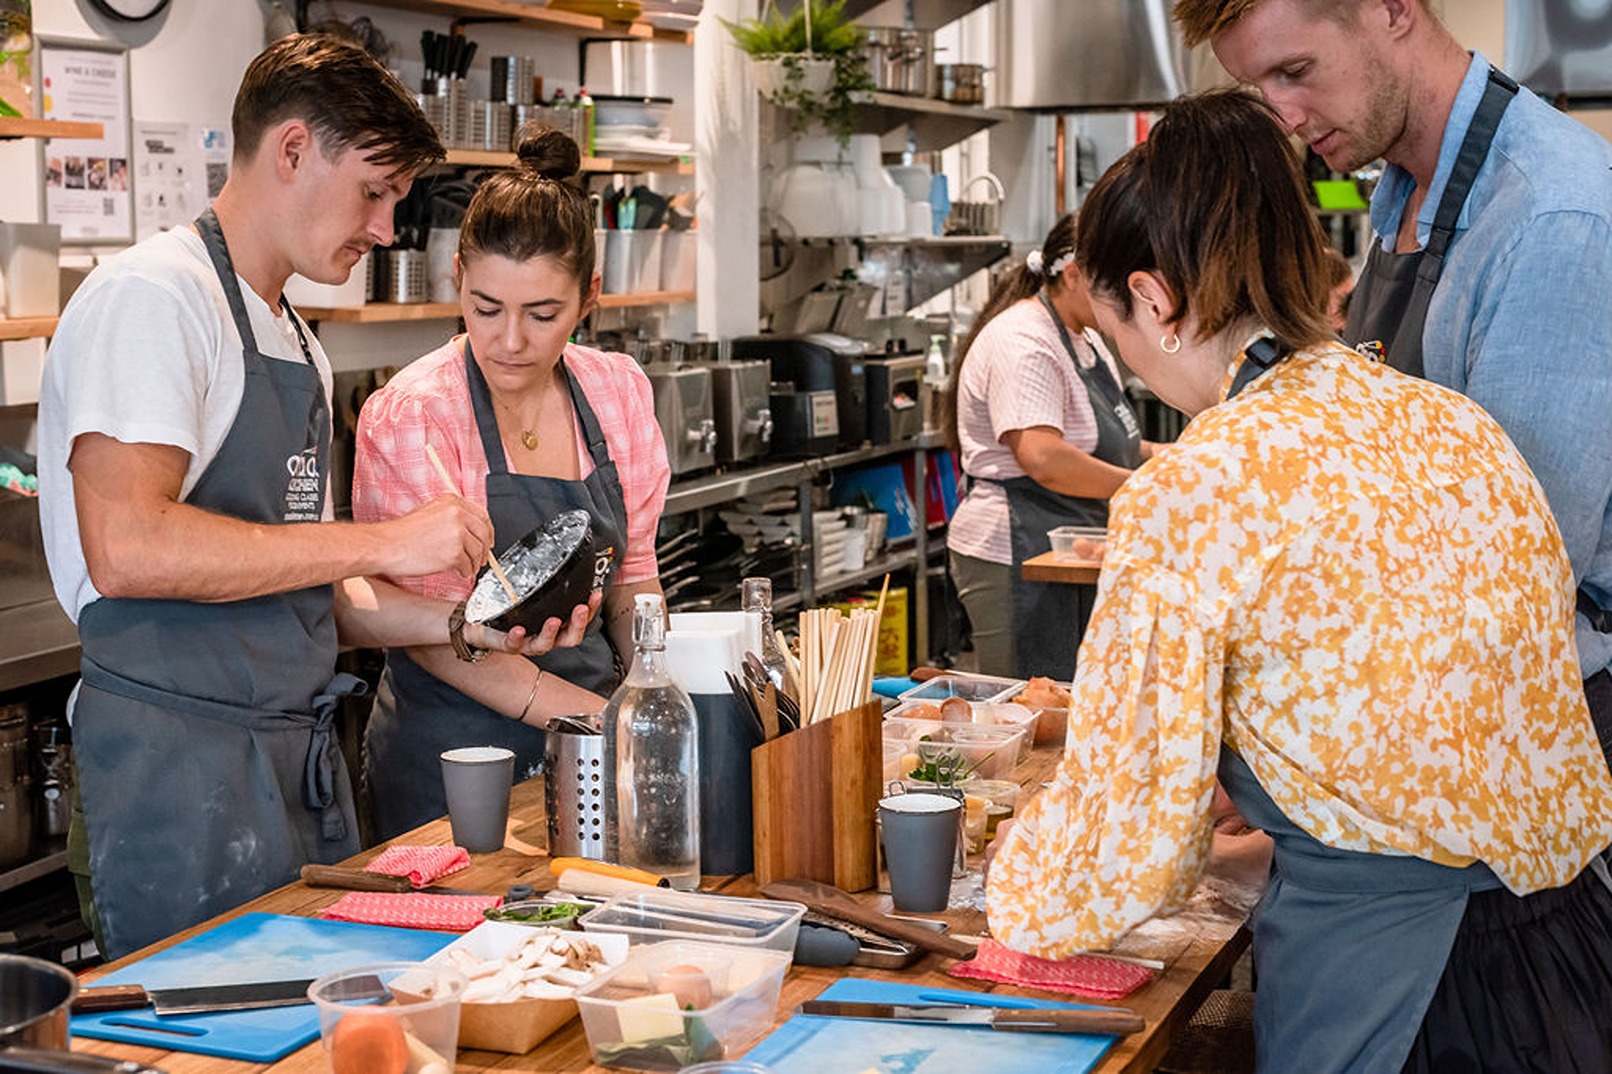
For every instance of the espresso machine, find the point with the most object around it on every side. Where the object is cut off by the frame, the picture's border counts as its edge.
(830, 371)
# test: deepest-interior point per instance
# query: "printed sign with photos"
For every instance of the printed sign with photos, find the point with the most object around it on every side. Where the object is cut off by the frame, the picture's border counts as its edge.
(87, 180)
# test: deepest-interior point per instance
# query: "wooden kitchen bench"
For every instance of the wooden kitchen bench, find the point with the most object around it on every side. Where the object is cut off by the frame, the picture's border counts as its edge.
(1197, 948)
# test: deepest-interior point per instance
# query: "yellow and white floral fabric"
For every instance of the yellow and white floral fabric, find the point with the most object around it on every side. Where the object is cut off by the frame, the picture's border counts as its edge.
(1352, 578)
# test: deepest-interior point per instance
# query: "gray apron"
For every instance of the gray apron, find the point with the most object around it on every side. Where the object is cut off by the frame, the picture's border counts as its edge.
(1348, 947)
(1388, 311)
(417, 715)
(1049, 618)
(207, 764)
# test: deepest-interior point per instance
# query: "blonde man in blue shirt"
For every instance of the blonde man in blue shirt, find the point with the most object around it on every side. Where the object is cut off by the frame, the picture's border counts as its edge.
(1494, 261)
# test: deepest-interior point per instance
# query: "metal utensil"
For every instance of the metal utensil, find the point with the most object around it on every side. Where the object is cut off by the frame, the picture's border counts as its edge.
(202, 998)
(1109, 1021)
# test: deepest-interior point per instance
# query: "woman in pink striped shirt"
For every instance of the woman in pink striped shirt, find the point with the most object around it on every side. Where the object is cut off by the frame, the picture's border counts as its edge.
(531, 425)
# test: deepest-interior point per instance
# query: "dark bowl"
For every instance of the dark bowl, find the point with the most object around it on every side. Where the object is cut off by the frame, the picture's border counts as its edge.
(552, 569)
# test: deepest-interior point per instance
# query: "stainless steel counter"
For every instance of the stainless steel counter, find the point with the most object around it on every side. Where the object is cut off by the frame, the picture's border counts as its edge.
(37, 642)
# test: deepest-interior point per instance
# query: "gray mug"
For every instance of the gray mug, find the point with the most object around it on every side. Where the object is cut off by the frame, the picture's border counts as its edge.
(477, 780)
(920, 844)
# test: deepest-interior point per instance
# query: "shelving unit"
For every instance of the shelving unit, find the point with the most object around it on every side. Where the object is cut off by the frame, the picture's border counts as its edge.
(926, 14)
(541, 18)
(13, 328)
(933, 124)
(12, 127)
(492, 158)
(388, 312)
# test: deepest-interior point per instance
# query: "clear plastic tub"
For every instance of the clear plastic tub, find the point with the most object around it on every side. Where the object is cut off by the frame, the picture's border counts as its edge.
(1009, 714)
(973, 752)
(967, 687)
(1064, 539)
(655, 916)
(674, 1004)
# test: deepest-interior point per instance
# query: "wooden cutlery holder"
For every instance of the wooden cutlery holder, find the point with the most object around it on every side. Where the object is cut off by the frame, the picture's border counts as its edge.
(815, 794)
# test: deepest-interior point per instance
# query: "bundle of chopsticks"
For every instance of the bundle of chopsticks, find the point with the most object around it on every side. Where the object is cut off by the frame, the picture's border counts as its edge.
(833, 670)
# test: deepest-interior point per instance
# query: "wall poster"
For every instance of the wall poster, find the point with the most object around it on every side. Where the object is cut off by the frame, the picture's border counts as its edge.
(87, 180)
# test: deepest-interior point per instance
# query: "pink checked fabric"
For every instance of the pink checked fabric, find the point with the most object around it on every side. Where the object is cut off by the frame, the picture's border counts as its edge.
(447, 913)
(421, 865)
(1083, 975)
(429, 402)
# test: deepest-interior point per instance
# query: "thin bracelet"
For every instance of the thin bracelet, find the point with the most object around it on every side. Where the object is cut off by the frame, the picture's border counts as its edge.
(527, 708)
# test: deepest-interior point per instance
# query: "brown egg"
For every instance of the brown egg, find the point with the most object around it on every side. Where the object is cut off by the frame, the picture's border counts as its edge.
(922, 711)
(956, 710)
(687, 984)
(1083, 548)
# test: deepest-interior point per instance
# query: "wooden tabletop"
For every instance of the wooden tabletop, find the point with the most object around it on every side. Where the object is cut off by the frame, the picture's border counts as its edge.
(1060, 567)
(1197, 947)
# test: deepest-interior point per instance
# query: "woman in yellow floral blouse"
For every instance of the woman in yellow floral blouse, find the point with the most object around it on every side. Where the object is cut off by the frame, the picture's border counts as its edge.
(1343, 591)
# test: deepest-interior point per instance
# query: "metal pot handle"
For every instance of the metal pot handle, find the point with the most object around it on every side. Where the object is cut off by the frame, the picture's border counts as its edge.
(51, 1061)
(989, 177)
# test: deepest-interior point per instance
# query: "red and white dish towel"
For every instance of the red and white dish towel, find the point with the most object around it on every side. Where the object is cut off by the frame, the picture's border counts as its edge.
(446, 913)
(1083, 975)
(422, 865)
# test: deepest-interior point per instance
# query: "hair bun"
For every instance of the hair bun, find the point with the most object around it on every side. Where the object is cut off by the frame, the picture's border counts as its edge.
(547, 152)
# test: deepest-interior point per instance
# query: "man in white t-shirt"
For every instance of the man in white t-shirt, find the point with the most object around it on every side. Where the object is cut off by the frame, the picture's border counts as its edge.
(184, 447)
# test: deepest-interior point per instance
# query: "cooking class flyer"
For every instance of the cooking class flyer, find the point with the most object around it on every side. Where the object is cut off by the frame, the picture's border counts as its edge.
(87, 179)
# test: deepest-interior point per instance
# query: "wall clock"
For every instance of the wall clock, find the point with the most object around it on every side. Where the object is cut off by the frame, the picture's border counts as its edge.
(129, 10)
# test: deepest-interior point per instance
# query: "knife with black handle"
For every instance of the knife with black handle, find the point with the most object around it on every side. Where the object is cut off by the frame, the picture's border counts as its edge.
(201, 998)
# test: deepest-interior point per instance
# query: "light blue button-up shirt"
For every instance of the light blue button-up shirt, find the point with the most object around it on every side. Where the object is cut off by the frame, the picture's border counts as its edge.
(1521, 320)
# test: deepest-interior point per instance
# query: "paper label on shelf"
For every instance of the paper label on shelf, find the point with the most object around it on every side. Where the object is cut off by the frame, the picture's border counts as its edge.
(894, 295)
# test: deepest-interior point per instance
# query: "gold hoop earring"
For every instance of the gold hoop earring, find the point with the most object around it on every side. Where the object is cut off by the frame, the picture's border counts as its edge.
(1170, 344)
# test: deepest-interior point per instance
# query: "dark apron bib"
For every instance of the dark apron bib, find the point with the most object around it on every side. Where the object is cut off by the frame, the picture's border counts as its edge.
(417, 715)
(1049, 618)
(1348, 946)
(203, 732)
(1388, 311)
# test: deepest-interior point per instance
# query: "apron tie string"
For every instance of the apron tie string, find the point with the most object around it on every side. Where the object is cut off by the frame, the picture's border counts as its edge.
(319, 771)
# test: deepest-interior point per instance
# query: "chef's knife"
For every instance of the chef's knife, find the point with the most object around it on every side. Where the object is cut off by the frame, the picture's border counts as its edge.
(202, 998)
(1109, 1021)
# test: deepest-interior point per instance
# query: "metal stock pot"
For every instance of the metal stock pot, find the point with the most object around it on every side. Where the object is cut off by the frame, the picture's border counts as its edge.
(899, 58)
(35, 999)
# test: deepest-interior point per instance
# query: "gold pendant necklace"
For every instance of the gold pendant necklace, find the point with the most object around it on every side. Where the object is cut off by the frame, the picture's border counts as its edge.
(528, 440)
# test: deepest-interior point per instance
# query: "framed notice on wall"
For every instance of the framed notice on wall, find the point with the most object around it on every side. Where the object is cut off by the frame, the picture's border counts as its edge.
(88, 181)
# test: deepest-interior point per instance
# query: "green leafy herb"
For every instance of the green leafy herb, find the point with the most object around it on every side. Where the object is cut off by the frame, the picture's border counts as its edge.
(536, 913)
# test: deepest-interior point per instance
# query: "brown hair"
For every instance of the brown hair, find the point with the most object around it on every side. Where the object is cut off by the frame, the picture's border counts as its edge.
(1014, 286)
(531, 210)
(1215, 203)
(347, 99)
(1204, 20)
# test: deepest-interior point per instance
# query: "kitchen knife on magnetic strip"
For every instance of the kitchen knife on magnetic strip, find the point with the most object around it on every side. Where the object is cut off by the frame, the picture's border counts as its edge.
(1107, 1021)
(202, 998)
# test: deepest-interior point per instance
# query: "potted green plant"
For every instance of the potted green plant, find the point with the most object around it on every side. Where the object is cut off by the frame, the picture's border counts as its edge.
(807, 61)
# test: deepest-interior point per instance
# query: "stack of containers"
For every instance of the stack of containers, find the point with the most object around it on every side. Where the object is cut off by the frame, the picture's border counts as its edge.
(700, 980)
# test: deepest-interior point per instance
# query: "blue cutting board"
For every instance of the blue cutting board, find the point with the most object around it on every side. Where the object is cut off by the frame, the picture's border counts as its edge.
(253, 947)
(807, 1044)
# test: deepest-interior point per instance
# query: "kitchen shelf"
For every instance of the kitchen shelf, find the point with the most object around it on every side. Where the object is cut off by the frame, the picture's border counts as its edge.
(33, 870)
(492, 158)
(714, 489)
(37, 643)
(934, 124)
(26, 327)
(887, 564)
(926, 14)
(542, 18)
(12, 127)
(384, 312)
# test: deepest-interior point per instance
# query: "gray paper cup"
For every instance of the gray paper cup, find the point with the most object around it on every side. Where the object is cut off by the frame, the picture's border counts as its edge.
(920, 844)
(477, 780)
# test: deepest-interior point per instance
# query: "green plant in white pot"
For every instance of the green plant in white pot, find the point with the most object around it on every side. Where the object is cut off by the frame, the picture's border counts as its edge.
(807, 61)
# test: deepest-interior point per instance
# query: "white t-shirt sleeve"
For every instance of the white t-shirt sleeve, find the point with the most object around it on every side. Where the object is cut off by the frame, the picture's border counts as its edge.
(1030, 386)
(142, 364)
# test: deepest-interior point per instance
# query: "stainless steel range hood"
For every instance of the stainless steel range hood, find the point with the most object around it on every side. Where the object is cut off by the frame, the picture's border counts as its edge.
(1068, 55)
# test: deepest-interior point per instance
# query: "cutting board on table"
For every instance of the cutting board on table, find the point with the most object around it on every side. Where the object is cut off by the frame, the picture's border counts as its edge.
(807, 1044)
(252, 947)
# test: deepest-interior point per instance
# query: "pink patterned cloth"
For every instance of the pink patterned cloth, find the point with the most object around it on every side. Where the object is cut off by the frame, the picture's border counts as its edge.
(448, 913)
(1084, 975)
(421, 865)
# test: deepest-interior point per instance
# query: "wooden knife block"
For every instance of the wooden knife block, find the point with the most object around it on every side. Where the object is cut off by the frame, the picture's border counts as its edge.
(816, 792)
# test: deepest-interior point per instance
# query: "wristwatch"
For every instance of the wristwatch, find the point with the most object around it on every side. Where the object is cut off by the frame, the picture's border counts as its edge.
(456, 634)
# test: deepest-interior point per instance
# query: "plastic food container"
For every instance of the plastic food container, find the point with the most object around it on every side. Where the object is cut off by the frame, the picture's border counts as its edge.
(389, 1013)
(670, 1005)
(1009, 714)
(1063, 540)
(967, 687)
(973, 753)
(514, 1026)
(654, 917)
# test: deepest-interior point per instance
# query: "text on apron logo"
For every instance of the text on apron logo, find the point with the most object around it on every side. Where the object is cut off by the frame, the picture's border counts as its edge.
(601, 565)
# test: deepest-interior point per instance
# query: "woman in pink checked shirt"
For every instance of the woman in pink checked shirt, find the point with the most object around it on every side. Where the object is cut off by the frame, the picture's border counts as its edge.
(532, 425)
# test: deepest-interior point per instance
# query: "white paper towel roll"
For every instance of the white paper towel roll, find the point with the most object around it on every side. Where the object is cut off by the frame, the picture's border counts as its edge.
(698, 658)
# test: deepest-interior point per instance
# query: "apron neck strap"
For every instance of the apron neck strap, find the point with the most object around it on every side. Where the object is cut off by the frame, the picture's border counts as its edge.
(481, 405)
(1104, 375)
(1498, 93)
(1260, 355)
(212, 236)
